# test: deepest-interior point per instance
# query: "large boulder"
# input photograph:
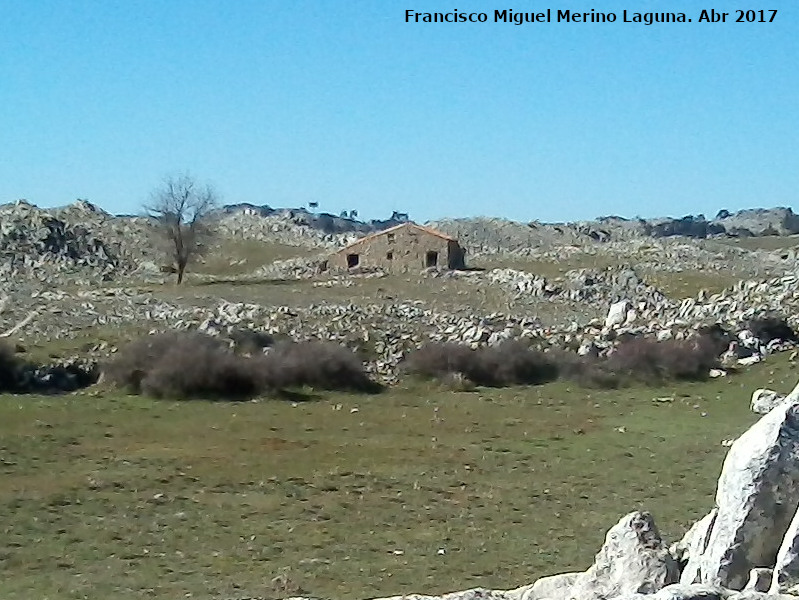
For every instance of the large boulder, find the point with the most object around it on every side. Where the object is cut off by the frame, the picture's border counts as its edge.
(633, 560)
(756, 499)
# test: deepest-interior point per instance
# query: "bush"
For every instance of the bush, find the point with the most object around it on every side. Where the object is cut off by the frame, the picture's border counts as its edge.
(439, 361)
(321, 365)
(509, 363)
(134, 362)
(772, 326)
(651, 362)
(250, 341)
(720, 337)
(205, 371)
(189, 365)
(10, 369)
(587, 371)
(181, 365)
(24, 377)
(644, 361)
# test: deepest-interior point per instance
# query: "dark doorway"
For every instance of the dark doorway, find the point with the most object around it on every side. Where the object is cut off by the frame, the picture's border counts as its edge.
(431, 258)
(353, 260)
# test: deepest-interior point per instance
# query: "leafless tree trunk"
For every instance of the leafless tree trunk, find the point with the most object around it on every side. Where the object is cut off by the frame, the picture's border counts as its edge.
(181, 208)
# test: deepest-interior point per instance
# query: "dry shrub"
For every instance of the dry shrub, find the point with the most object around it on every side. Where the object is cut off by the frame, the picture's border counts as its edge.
(647, 361)
(21, 376)
(203, 372)
(509, 363)
(189, 365)
(720, 337)
(587, 371)
(134, 361)
(457, 382)
(249, 341)
(315, 364)
(182, 365)
(644, 361)
(10, 368)
(439, 361)
(772, 326)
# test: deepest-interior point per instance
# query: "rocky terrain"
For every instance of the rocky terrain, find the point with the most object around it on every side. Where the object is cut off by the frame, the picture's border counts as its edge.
(76, 269)
(78, 281)
(83, 235)
(498, 235)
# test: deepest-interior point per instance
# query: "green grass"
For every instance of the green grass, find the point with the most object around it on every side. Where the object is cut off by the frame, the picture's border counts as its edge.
(687, 284)
(769, 242)
(441, 293)
(235, 257)
(122, 497)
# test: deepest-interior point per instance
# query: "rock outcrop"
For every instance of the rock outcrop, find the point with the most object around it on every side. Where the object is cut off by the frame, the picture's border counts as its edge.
(757, 496)
(633, 560)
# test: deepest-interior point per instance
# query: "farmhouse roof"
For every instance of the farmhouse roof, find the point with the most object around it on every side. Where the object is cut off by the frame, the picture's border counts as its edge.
(422, 228)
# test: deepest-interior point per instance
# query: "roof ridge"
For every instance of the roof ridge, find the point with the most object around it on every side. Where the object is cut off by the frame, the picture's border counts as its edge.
(423, 228)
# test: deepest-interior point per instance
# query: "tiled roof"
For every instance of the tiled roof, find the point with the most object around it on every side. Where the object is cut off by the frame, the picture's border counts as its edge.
(422, 228)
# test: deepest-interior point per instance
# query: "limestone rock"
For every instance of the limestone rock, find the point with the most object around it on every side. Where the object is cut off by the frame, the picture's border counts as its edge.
(786, 569)
(549, 588)
(471, 594)
(752, 595)
(759, 580)
(764, 400)
(633, 560)
(757, 496)
(693, 543)
(617, 314)
(679, 591)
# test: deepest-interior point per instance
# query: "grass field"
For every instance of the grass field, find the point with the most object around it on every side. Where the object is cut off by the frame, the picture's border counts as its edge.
(233, 257)
(768, 242)
(108, 496)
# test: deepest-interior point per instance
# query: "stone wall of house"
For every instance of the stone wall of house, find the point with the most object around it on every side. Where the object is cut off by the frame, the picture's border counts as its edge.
(398, 251)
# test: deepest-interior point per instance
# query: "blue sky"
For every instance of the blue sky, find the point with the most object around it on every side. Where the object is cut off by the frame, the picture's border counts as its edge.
(345, 104)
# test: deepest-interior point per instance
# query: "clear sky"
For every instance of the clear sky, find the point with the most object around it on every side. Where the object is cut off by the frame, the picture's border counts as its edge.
(344, 103)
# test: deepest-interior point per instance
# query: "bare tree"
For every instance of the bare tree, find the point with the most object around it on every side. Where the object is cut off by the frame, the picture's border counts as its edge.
(182, 208)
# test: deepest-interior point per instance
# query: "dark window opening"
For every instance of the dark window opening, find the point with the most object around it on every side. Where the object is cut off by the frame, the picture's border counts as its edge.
(431, 258)
(390, 237)
(389, 256)
(353, 260)
(323, 266)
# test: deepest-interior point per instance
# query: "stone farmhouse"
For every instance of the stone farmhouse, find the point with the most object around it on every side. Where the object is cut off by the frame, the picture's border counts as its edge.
(402, 248)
